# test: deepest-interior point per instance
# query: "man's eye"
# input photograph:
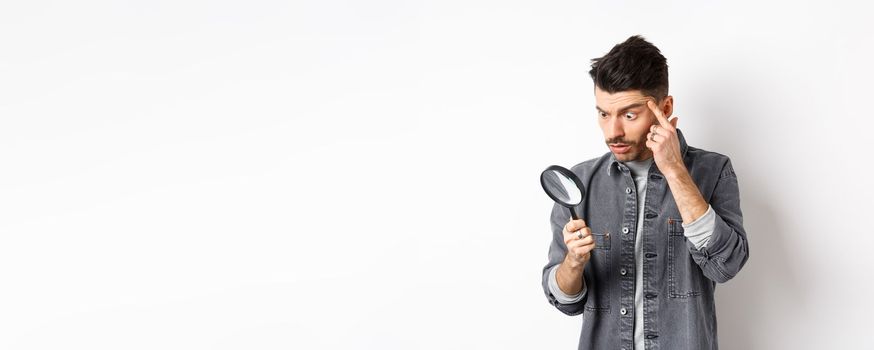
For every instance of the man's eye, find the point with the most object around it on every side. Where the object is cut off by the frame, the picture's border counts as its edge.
(602, 114)
(630, 115)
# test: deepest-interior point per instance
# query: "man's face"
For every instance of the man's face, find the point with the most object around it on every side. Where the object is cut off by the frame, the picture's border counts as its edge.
(625, 120)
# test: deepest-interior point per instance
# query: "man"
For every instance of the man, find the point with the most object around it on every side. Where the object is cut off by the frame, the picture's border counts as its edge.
(661, 223)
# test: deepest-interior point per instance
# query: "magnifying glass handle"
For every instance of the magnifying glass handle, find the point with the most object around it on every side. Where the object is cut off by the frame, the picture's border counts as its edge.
(573, 213)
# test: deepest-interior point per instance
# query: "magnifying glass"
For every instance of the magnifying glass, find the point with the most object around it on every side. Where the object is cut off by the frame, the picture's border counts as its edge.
(563, 186)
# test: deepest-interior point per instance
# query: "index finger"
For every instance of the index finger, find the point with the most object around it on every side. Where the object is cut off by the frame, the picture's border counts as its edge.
(574, 225)
(659, 115)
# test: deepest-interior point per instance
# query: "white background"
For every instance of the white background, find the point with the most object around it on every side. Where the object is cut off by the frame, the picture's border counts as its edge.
(364, 175)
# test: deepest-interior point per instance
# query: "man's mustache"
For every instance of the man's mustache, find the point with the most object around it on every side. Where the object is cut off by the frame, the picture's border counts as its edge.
(618, 140)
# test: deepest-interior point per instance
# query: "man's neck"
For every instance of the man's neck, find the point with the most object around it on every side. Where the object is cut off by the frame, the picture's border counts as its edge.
(639, 166)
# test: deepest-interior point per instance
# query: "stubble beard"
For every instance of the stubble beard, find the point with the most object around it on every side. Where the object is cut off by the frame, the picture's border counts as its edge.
(638, 147)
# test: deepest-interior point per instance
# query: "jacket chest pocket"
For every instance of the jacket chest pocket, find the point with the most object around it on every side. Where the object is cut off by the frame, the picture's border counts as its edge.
(599, 270)
(685, 278)
(602, 240)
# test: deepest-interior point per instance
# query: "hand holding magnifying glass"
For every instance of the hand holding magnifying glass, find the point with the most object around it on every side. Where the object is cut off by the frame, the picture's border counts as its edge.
(566, 189)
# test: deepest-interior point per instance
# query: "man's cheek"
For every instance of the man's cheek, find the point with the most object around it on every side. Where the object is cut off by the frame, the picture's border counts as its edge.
(642, 140)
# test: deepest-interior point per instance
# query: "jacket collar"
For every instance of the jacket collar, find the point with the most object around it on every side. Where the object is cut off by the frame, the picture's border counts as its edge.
(619, 166)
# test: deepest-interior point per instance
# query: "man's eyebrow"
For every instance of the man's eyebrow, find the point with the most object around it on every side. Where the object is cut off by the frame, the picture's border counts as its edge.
(639, 104)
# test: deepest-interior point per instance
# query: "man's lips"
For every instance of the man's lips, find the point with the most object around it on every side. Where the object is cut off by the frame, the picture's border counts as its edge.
(619, 147)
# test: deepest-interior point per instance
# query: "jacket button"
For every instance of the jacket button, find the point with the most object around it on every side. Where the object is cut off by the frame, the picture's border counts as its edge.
(622, 272)
(623, 311)
(628, 190)
(625, 230)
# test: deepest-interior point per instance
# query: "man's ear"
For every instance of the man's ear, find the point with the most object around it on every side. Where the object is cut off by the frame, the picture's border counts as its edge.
(668, 110)
(668, 107)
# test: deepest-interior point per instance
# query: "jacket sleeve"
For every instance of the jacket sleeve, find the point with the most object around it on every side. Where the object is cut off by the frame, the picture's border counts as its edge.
(727, 250)
(557, 251)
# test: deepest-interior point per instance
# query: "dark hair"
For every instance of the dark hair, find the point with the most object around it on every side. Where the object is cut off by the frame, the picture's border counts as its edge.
(635, 64)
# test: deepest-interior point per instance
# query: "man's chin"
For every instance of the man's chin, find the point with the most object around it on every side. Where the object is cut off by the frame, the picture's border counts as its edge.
(624, 157)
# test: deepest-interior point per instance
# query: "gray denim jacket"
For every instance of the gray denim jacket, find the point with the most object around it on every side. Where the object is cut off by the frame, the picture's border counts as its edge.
(679, 280)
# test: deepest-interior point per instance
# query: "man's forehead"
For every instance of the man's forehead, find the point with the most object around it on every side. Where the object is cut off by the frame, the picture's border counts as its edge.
(605, 101)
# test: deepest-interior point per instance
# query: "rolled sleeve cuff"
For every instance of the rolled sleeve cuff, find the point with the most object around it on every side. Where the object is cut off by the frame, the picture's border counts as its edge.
(560, 296)
(699, 231)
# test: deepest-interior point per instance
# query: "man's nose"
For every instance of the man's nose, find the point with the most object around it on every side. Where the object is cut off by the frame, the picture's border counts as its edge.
(615, 128)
